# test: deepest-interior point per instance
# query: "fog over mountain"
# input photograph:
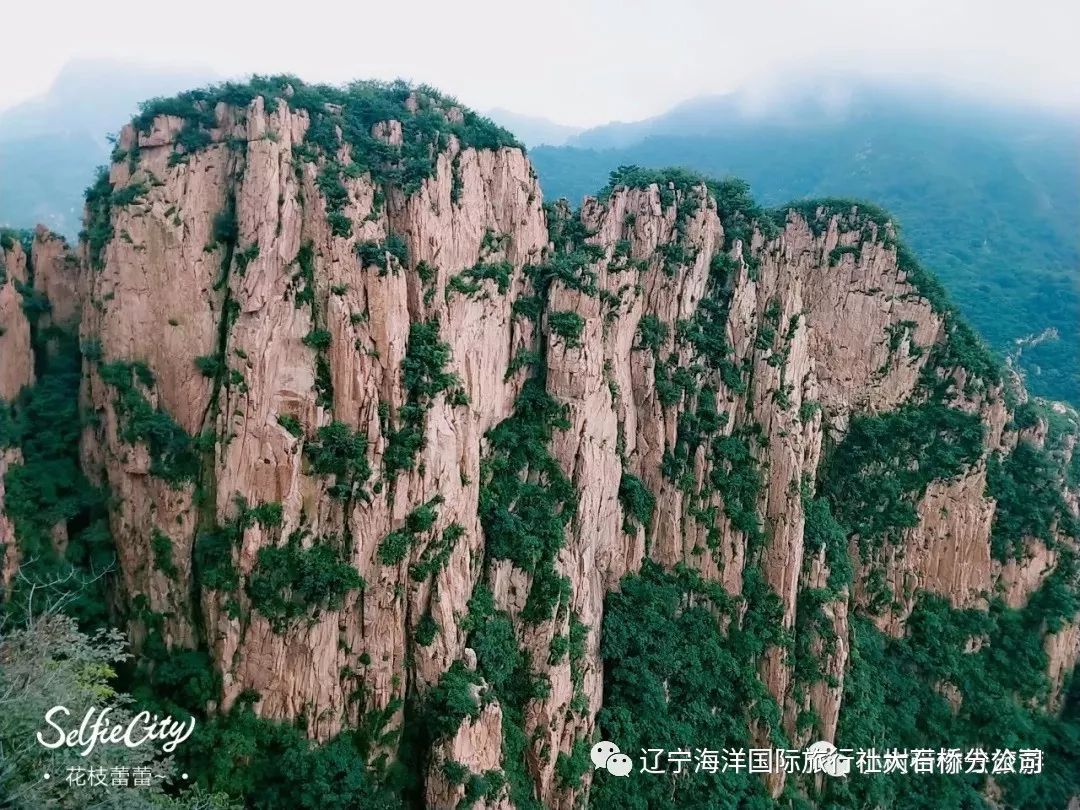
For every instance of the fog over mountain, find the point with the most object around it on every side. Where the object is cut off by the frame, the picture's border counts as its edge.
(405, 486)
(328, 430)
(50, 145)
(987, 193)
(534, 130)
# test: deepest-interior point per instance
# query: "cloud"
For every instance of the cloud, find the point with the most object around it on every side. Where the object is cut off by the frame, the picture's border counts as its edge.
(579, 62)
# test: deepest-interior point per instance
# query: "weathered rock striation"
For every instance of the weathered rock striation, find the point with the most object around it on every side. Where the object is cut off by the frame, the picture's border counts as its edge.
(17, 370)
(368, 409)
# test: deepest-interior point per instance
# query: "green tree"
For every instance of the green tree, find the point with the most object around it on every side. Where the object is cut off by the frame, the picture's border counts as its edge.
(48, 661)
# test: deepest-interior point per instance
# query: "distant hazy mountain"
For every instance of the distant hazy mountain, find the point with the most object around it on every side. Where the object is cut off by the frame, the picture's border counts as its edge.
(532, 130)
(49, 146)
(988, 196)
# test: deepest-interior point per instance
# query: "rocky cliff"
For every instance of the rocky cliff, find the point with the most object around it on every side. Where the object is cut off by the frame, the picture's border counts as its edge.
(391, 445)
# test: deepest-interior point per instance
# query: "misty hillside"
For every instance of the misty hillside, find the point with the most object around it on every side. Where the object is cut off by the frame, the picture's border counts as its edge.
(534, 130)
(989, 198)
(50, 145)
(410, 490)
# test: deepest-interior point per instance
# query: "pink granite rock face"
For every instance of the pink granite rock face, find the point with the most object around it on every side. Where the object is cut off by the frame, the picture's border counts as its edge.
(337, 339)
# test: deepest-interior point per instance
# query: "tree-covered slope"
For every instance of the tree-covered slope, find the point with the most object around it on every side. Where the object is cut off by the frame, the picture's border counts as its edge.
(407, 488)
(988, 198)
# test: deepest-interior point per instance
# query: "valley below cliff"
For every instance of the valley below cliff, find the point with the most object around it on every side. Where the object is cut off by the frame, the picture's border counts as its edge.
(410, 483)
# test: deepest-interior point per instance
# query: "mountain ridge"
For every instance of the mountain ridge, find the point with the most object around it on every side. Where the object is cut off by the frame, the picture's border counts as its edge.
(489, 479)
(987, 198)
(51, 144)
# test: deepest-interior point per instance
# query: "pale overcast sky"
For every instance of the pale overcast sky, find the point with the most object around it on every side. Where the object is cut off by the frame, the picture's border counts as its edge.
(579, 62)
